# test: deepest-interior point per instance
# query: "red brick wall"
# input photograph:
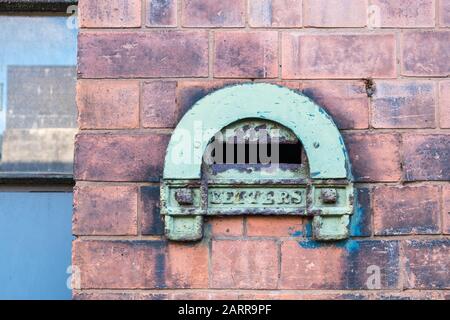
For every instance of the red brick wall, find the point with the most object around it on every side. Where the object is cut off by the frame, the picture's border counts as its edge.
(142, 64)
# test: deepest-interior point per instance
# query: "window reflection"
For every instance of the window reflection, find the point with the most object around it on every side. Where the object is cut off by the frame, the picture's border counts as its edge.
(37, 85)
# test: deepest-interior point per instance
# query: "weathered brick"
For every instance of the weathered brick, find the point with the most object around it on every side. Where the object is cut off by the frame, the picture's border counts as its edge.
(119, 157)
(361, 220)
(304, 295)
(275, 13)
(444, 103)
(246, 54)
(189, 92)
(159, 105)
(338, 56)
(346, 265)
(408, 104)
(427, 264)
(149, 210)
(407, 210)
(345, 101)
(204, 295)
(446, 209)
(426, 53)
(108, 104)
(259, 295)
(374, 157)
(143, 54)
(227, 226)
(244, 264)
(119, 296)
(444, 13)
(187, 265)
(275, 226)
(213, 13)
(105, 210)
(110, 13)
(120, 264)
(405, 13)
(335, 13)
(408, 295)
(320, 267)
(140, 264)
(346, 295)
(161, 13)
(426, 157)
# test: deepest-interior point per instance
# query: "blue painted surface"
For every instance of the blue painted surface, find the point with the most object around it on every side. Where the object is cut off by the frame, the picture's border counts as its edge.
(35, 245)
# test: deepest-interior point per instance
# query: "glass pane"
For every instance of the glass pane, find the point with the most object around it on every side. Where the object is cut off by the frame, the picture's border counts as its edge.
(37, 94)
(35, 245)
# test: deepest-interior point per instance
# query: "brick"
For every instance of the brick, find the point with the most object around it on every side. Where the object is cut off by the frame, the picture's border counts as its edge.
(306, 296)
(446, 209)
(108, 104)
(426, 53)
(408, 295)
(120, 157)
(110, 14)
(312, 265)
(361, 220)
(275, 13)
(444, 103)
(187, 265)
(244, 264)
(213, 13)
(157, 295)
(140, 264)
(118, 296)
(159, 105)
(335, 13)
(426, 157)
(444, 13)
(105, 210)
(405, 13)
(345, 101)
(120, 264)
(427, 265)
(190, 92)
(149, 210)
(227, 226)
(407, 210)
(275, 226)
(338, 56)
(143, 54)
(346, 295)
(409, 104)
(246, 54)
(204, 295)
(374, 157)
(161, 13)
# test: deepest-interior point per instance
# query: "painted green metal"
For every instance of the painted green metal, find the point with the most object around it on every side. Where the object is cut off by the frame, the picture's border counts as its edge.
(310, 123)
(321, 189)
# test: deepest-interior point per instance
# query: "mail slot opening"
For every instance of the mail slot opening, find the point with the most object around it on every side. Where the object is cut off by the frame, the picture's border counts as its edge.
(255, 142)
(257, 153)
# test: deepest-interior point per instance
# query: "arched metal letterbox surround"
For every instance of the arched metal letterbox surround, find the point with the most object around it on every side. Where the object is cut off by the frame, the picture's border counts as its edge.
(312, 125)
(328, 160)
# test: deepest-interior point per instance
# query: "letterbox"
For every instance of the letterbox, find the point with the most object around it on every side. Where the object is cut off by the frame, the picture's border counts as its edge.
(256, 149)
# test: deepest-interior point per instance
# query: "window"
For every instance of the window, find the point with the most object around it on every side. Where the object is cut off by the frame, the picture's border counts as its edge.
(37, 128)
(37, 77)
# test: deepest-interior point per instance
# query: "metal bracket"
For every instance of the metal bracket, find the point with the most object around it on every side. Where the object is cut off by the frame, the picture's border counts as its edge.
(184, 214)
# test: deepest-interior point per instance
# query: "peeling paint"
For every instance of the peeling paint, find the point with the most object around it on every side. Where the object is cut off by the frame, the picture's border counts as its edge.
(289, 190)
